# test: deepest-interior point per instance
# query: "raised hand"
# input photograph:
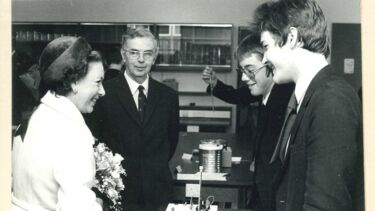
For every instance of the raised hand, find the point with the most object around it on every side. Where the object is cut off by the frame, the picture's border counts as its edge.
(209, 76)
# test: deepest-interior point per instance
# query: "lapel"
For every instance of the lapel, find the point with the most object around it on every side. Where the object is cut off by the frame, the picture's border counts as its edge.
(126, 99)
(153, 97)
(279, 140)
(273, 101)
(321, 77)
(265, 118)
(262, 110)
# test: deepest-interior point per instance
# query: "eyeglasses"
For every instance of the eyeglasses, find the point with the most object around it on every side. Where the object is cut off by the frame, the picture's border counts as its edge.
(134, 54)
(249, 71)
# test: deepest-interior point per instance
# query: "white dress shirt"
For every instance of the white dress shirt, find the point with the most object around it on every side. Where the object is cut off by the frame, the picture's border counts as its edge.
(53, 168)
(265, 97)
(133, 85)
(302, 84)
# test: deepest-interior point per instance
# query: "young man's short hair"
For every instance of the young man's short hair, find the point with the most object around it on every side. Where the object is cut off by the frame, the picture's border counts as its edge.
(278, 16)
(250, 45)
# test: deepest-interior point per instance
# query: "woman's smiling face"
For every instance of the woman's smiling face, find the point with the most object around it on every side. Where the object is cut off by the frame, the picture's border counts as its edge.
(90, 88)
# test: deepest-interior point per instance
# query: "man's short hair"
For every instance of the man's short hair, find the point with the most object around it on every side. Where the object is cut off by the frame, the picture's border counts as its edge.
(278, 16)
(132, 33)
(250, 45)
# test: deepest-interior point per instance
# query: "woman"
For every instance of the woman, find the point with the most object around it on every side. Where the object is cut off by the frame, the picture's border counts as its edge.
(53, 165)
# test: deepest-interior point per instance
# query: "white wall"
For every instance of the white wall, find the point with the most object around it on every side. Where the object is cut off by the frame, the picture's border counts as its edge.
(341, 11)
(236, 12)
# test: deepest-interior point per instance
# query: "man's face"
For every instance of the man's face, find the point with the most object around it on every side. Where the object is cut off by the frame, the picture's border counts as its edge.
(278, 57)
(139, 55)
(258, 81)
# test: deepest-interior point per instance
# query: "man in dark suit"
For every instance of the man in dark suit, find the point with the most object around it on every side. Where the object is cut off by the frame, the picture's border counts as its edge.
(247, 104)
(140, 123)
(115, 65)
(273, 100)
(321, 153)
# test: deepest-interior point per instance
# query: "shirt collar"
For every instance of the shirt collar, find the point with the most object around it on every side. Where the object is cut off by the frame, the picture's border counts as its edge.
(63, 106)
(265, 97)
(133, 85)
(302, 85)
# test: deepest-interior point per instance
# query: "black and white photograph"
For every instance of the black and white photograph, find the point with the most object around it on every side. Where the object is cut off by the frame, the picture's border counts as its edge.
(216, 105)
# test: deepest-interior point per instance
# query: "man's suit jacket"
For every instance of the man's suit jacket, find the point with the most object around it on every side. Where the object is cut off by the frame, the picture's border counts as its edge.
(111, 73)
(270, 120)
(146, 147)
(247, 108)
(323, 169)
(229, 94)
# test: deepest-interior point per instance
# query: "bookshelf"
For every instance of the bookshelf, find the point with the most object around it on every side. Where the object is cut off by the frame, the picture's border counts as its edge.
(190, 47)
(182, 47)
(33, 37)
(184, 51)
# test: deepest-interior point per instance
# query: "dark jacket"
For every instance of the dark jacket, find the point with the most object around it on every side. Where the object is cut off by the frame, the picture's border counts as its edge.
(247, 110)
(146, 147)
(323, 169)
(112, 73)
(270, 120)
(229, 94)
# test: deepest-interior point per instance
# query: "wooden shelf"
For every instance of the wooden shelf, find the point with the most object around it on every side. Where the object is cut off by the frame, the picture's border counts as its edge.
(221, 116)
(42, 42)
(189, 67)
(205, 121)
(207, 108)
(187, 93)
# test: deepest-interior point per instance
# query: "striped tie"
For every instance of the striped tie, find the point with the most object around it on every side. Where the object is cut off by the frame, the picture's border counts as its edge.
(142, 100)
(290, 117)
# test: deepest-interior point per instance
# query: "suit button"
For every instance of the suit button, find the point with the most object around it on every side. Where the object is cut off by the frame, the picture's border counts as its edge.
(282, 201)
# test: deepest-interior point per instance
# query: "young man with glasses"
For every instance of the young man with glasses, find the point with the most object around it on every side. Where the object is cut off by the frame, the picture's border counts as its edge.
(322, 154)
(139, 118)
(273, 100)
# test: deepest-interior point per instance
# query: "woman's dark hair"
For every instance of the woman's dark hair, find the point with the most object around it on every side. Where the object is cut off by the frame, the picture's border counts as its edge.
(65, 61)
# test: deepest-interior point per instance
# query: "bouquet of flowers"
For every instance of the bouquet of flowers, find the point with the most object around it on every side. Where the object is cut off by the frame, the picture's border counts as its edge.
(108, 175)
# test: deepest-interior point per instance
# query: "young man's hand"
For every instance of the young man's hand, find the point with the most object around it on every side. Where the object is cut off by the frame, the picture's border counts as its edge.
(209, 76)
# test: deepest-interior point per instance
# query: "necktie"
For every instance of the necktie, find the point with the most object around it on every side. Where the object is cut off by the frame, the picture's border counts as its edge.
(142, 100)
(290, 117)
